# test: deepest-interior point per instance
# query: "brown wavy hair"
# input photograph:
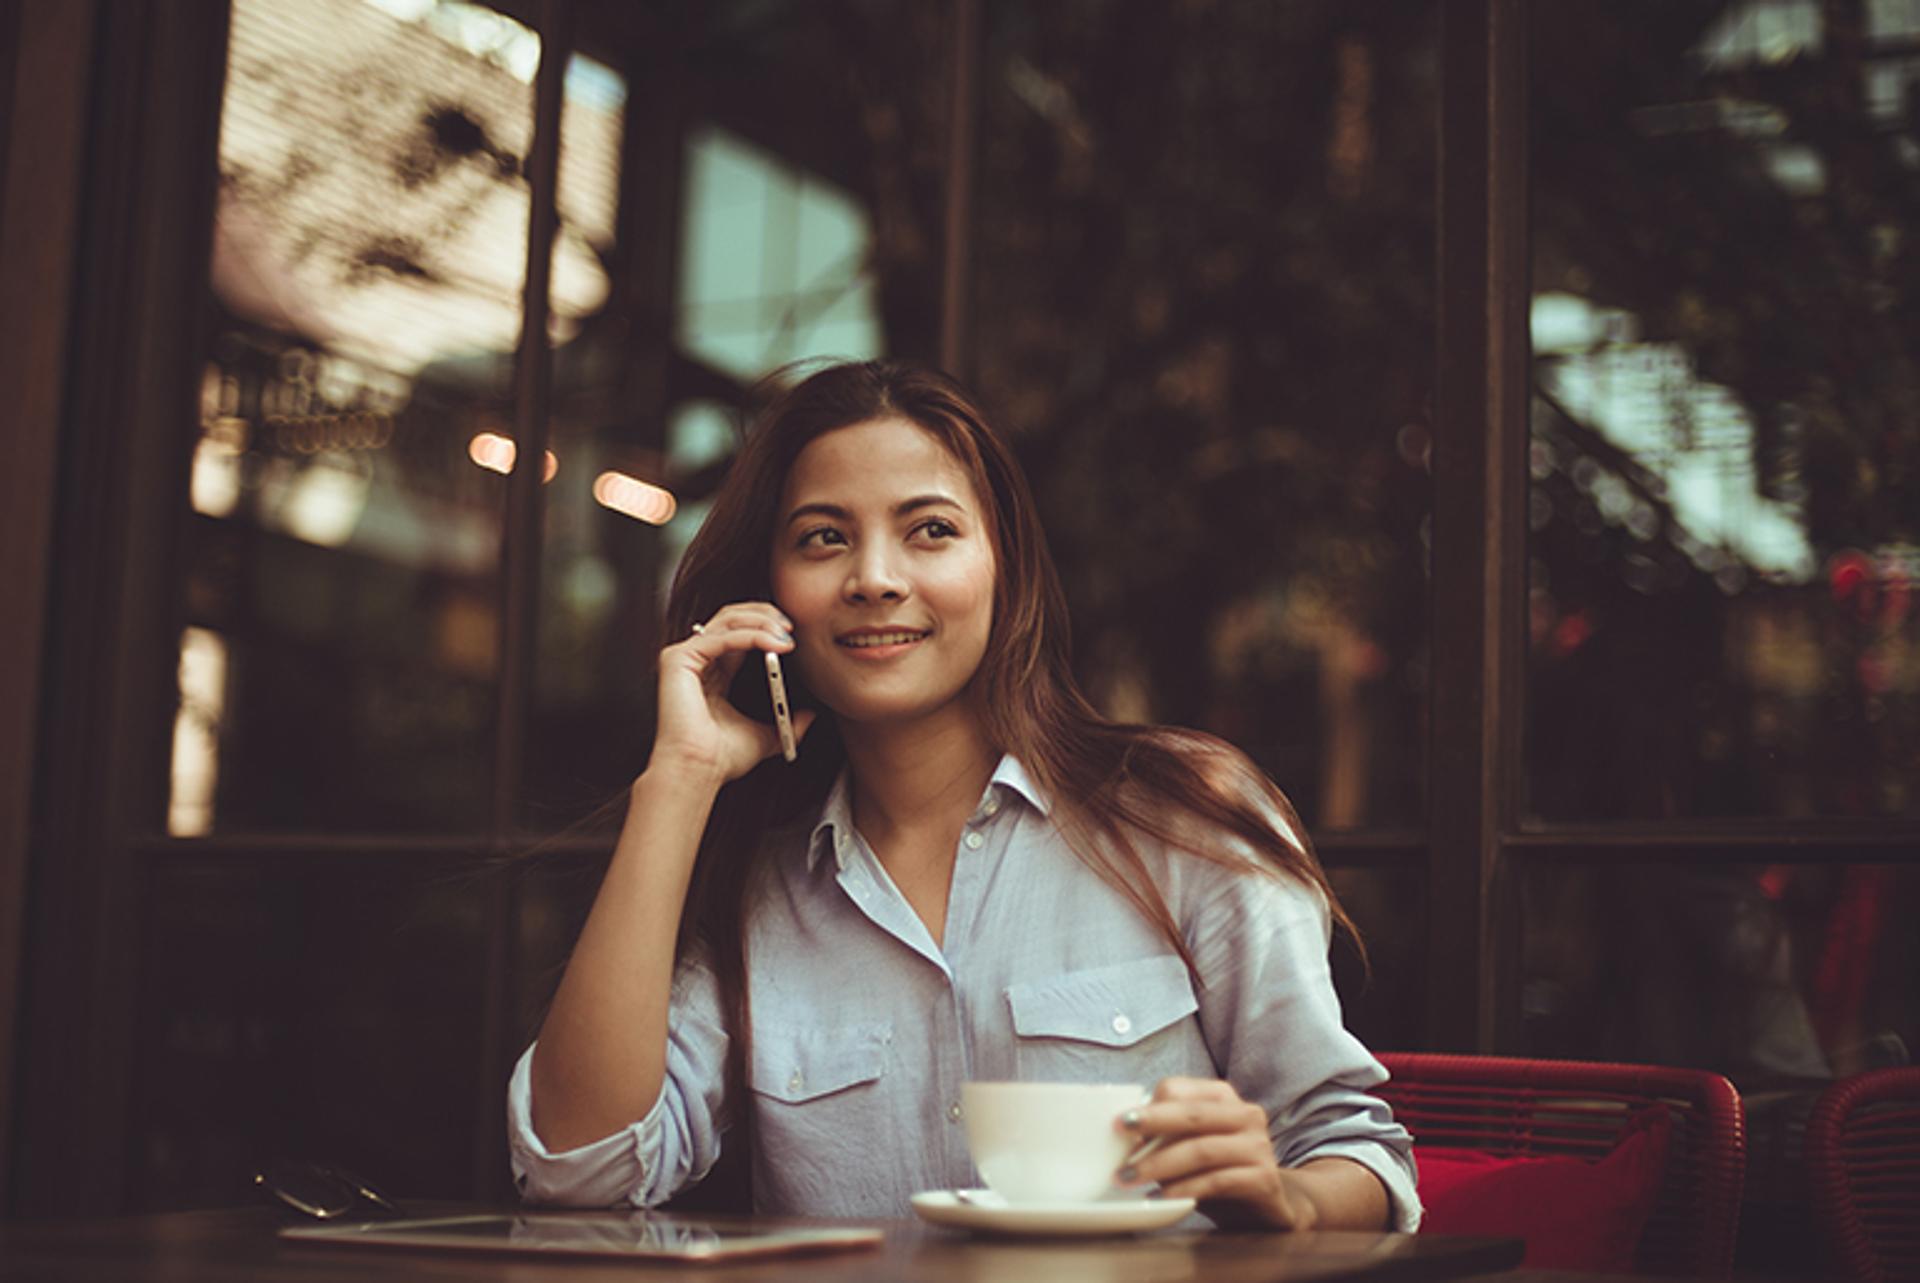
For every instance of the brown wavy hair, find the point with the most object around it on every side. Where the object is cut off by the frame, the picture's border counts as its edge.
(1108, 783)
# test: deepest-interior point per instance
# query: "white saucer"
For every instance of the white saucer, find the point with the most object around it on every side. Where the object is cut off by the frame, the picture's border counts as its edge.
(988, 1211)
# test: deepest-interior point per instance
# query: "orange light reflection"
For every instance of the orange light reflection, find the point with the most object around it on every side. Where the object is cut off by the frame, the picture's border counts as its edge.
(634, 498)
(496, 453)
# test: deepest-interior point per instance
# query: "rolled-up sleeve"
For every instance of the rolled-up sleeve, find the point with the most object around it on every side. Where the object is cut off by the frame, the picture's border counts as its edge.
(1272, 1021)
(647, 1162)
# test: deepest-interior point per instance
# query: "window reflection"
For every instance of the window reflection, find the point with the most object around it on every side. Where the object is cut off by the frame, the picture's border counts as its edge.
(259, 1032)
(1382, 997)
(196, 726)
(778, 264)
(1724, 553)
(1769, 973)
(1205, 298)
(369, 249)
(753, 234)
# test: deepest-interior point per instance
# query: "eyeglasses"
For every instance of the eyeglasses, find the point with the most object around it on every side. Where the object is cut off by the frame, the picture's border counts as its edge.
(319, 1190)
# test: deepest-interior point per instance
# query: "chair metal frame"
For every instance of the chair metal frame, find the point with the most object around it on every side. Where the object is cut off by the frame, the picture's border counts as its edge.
(1862, 1154)
(1514, 1107)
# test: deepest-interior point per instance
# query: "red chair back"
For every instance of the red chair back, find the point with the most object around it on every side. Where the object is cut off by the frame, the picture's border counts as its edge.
(1536, 1108)
(1863, 1166)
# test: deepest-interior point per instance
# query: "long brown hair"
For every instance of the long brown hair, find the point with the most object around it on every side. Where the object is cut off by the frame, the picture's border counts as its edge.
(1108, 783)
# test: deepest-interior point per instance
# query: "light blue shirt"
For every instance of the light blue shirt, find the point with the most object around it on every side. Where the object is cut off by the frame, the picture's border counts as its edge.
(864, 1028)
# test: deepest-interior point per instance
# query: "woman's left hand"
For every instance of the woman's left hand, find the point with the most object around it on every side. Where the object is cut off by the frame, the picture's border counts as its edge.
(1214, 1147)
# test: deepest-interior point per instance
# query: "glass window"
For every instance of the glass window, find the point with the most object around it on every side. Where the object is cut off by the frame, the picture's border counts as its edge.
(338, 669)
(1725, 503)
(1383, 995)
(258, 1032)
(1771, 974)
(600, 546)
(1205, 302)
(778, 263)
(790, 234)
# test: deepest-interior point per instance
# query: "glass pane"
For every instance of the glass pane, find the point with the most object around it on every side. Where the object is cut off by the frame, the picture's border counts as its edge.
(810, 182)
(598, 564)
(1205, 301)
(797, 232)
(338, 670)
(1384, 997)
(257, 1036)
(553, 893)
(1785, 977)
(778, 262)
(1770, 974)
(1725, 501)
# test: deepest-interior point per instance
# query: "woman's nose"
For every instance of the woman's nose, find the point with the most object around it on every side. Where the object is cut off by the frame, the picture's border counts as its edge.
(874, 577)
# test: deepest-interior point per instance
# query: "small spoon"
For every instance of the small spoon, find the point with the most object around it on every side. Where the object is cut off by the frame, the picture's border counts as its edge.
(1144, 1148)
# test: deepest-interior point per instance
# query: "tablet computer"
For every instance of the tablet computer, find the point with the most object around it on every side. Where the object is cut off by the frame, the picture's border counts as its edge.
(627, 1235)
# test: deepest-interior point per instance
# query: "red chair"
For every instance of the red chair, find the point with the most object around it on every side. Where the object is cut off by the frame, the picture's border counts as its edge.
(1863, 1167)
(1540, 1108)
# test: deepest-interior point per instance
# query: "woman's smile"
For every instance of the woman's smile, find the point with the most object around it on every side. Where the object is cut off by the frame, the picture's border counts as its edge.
(882, 643)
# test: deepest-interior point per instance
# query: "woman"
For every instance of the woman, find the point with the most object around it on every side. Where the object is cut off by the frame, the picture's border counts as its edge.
(968, 874)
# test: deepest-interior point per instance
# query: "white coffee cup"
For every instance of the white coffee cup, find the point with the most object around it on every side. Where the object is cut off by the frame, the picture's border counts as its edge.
(1048, 1142)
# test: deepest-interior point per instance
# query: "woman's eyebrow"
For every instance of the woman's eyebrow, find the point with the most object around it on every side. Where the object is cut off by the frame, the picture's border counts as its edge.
(919, 501)
(829, 510)
(835, 512)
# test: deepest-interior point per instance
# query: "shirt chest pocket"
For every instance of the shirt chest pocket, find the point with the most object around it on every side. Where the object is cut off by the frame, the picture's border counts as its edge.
(797, 1065)
(1124, 1022)
(818, 1099)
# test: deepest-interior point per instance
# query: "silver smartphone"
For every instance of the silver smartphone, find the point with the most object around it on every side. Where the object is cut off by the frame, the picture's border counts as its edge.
(782, 712)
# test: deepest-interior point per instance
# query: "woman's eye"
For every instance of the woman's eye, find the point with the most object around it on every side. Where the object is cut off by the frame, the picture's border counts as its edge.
(821, 537)
(938, 529)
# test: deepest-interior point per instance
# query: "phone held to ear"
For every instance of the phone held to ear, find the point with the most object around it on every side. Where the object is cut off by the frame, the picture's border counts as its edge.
(782, 710)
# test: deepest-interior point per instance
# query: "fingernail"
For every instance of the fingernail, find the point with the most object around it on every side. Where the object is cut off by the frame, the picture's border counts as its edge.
(786, 637)
(1156, 1192)
(1130, 1119)
(1129, 1174)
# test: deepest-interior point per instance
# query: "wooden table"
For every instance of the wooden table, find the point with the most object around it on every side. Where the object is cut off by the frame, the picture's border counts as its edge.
(242, 1245)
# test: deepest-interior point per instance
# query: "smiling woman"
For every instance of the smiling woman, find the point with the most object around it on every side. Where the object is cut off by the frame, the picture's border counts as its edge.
(734, 987)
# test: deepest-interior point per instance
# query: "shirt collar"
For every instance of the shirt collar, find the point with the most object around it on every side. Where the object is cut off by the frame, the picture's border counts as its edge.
(836, 817)
(1013, 776)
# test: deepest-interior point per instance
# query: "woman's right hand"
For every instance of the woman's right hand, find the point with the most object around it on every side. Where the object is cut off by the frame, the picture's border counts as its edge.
(699, 728)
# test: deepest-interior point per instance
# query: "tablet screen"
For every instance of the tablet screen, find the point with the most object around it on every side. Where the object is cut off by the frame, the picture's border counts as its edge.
(633, 1235)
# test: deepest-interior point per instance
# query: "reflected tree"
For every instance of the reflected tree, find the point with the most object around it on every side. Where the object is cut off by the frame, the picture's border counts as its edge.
(1205, 301)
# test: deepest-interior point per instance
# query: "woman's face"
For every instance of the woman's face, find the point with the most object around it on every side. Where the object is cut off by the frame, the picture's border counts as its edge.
(883, 561)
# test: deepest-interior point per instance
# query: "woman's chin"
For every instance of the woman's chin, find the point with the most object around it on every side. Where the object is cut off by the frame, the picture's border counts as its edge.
(871, 713)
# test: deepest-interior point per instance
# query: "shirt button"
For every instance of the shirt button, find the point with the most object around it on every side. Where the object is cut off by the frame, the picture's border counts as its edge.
(975, 841)
(993, 804)
(953, 1112)
(1121, 1024)
(796, 1082)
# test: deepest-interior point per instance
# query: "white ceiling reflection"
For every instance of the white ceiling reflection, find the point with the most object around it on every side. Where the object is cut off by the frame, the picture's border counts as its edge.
(372, 196)
(1693, 434)
(775, 262)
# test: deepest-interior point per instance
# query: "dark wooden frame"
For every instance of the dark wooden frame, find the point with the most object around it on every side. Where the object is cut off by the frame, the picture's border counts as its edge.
(1479, 507)
(141, 247)
(49, 48)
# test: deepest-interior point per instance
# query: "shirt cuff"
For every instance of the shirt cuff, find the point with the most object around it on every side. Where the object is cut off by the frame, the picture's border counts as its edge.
(602, 1173)
(1403, 1195)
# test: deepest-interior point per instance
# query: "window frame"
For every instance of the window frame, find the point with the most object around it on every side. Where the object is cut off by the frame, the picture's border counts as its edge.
(106, 683)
